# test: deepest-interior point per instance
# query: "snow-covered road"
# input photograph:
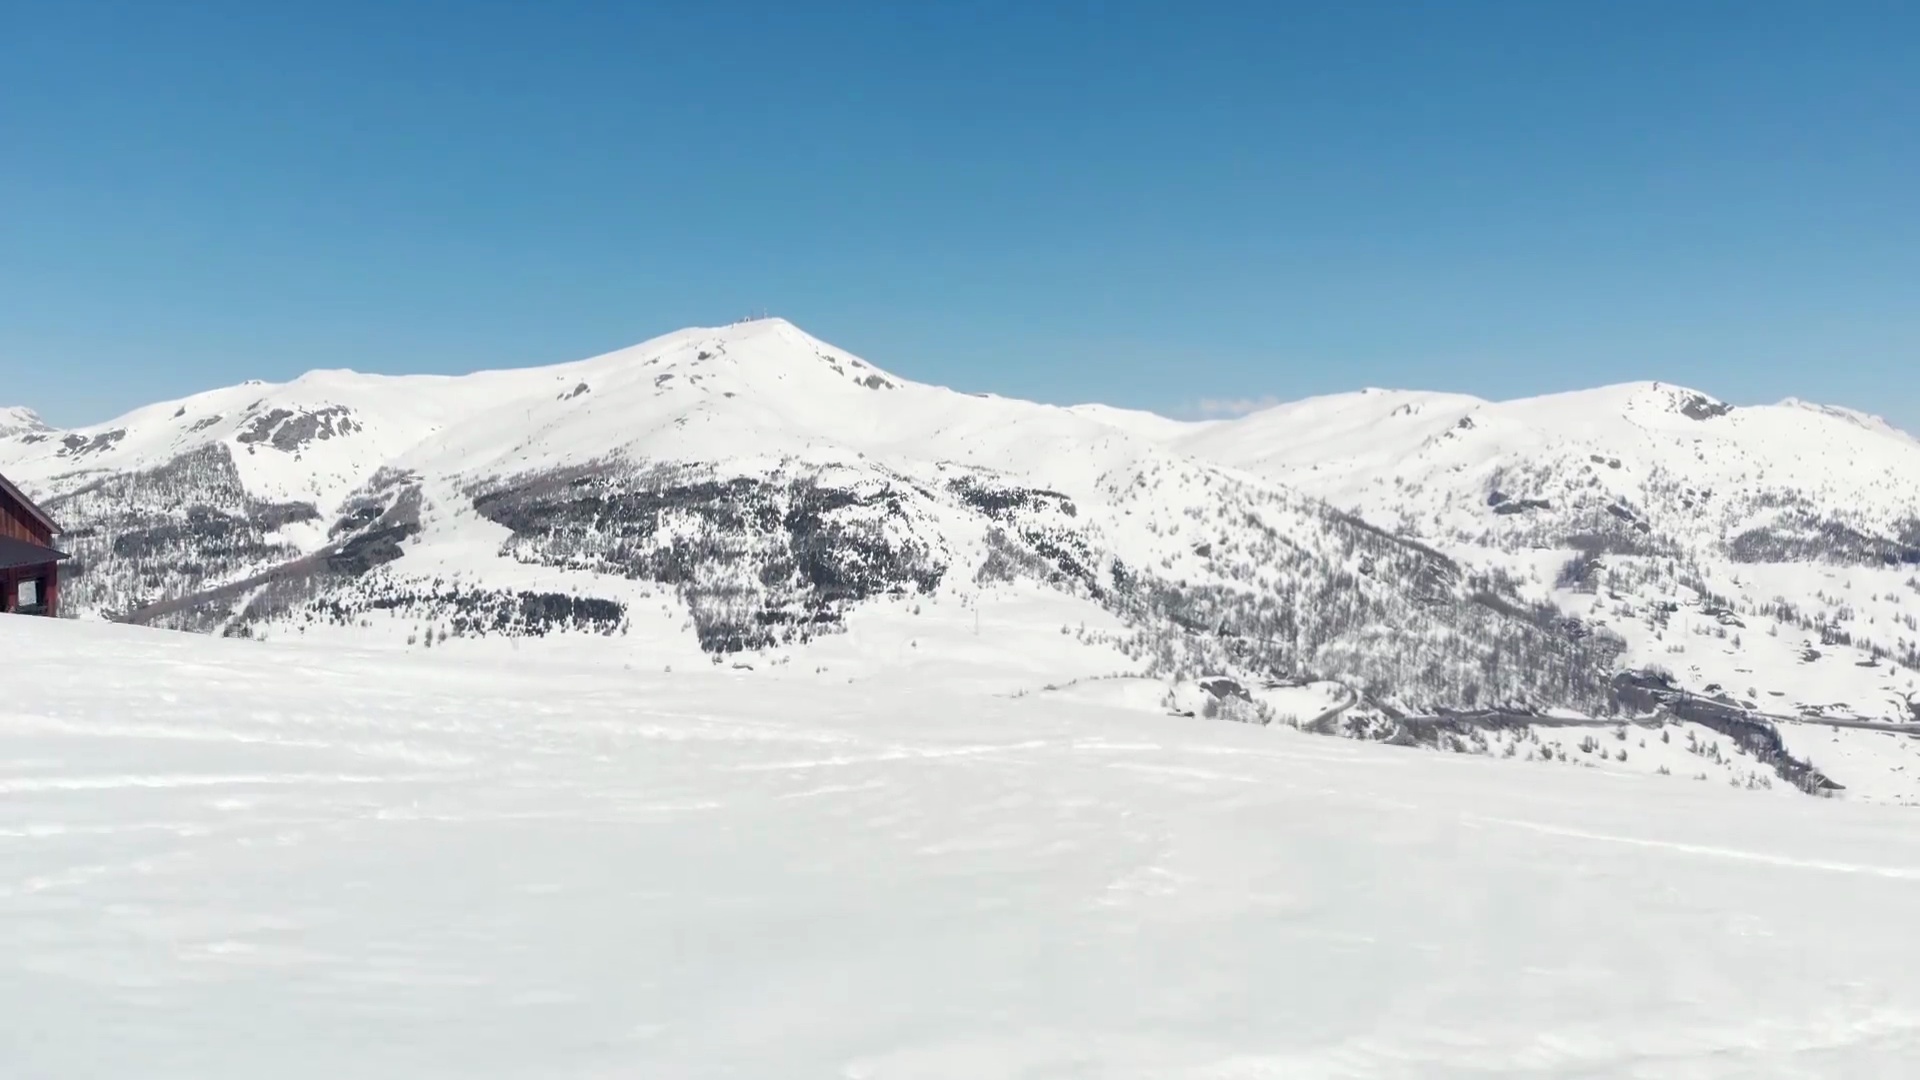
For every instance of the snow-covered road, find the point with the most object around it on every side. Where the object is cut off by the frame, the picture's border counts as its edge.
(224, 859)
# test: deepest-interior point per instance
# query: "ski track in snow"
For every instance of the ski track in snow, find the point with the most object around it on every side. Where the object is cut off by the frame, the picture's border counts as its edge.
(232, 859)
(1902, 872)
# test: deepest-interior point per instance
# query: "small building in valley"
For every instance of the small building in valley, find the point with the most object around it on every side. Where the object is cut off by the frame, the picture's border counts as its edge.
(29, 566)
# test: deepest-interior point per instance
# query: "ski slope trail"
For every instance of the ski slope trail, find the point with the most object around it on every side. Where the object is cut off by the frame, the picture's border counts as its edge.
(225, 859)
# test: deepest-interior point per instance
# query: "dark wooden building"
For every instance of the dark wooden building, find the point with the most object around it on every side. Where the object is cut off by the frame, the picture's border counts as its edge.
(29, 566)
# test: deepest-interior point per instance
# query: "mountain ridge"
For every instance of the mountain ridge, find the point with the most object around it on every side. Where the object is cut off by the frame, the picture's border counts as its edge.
(753, 492)
(17, 419)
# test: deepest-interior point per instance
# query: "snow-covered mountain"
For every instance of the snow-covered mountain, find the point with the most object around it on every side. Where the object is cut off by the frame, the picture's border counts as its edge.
(1765, 557)
(1633, 466)
(19, 421)
(752, 495)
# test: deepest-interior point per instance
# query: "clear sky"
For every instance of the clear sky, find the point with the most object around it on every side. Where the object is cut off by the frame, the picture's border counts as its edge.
(1176, 206)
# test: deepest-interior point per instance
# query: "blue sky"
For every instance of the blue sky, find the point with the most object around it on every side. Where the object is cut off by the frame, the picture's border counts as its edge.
(1156, 205)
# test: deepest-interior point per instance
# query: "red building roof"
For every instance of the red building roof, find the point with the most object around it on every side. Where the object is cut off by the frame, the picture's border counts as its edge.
(38, 515)
(20, 553)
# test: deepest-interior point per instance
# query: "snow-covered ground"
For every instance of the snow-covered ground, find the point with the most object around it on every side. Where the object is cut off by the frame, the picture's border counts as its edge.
(225, 859)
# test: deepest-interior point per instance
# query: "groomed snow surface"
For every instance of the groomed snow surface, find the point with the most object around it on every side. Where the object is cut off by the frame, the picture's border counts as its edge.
(225, 859)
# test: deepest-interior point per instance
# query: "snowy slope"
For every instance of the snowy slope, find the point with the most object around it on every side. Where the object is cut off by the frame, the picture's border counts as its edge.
(15, 420)
(752, 393)
(750, 495)
(1773, 551)
(769, 485)
(226, 859)
(1685, 462)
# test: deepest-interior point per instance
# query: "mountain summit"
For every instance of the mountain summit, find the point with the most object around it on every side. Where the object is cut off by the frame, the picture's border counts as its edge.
(15, 420)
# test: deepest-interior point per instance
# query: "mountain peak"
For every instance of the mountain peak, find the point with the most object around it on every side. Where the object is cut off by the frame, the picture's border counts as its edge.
(19, 420)
(1855, 417)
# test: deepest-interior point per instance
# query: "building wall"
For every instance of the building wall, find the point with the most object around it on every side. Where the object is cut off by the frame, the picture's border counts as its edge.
(48, 587)
(15, 522)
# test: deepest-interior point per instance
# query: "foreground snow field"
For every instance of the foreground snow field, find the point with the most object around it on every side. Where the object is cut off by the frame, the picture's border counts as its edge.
(227, 859)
